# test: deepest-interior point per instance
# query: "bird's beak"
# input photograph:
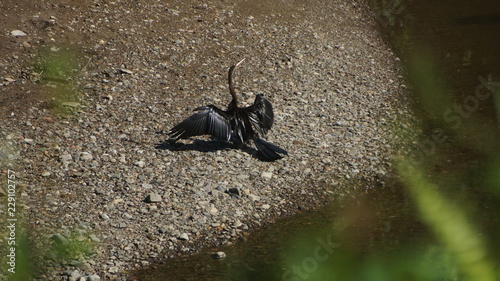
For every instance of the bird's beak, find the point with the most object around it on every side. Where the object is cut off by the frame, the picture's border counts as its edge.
(239, 62)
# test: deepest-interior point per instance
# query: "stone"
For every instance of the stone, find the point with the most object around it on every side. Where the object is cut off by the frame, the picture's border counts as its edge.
(94, 277)
(242, 177)
(184, 236)
(18, 33)
(140, 163)
(153, 198)
(75, 274)
(234, 192)
(267, 175)
(71, 104)
(126, 71)
(85, 156)
(60, 239)
(94, 238)
(219, 255)
(253, 197)
(65, 158)
(265, 206)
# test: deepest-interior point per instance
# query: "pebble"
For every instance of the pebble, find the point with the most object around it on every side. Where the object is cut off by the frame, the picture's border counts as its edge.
(65, 158)
(267, 175)
(253, 197)
(140, 163)
(265, 206)
(75, 274)
(94, 238)
(153, 198)
(18, 33)
(59, 239)
(85, 156)
(71, 104)
(219, 255)
(94, 277)
(184, 236)
(126, 71)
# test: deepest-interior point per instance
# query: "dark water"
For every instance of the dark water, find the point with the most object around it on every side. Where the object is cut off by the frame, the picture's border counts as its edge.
(378, 219)
(457, 43)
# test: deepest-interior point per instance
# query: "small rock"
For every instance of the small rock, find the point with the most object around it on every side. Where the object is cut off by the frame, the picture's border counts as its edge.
(46, 174)
(126, 71)
(59, 239)
(147, 185)
(86, 156)
(99, 191)
(267, 175)
(128, 216)
(265, 206)
(242, 177)
(104, 216)
(234, 192)
(113, 269)
(140, 163)
(17, 33)
(94, 238)
(94, 277)
(65, 158)
(75, 274)
(253, 197)
(71, 104)
(219, 255)
(184, 236)
(153, 198)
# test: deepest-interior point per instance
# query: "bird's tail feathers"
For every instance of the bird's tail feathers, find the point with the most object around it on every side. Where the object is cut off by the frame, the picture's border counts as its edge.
(269, 150)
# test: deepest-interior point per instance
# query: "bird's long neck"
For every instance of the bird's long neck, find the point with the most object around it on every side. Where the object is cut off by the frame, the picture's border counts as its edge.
(234, 102)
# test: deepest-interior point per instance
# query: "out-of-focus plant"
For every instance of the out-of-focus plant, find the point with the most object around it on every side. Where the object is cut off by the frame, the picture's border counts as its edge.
(57, 69)
(451, 225)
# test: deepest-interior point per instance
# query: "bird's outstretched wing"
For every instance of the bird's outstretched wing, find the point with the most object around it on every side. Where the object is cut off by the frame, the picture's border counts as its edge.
(208, 120)
(261, 114)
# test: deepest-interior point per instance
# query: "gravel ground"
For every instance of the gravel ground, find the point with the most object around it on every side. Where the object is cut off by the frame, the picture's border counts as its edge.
(89, 93)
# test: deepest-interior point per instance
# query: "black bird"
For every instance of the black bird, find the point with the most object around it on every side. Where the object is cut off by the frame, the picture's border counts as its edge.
(237, 125)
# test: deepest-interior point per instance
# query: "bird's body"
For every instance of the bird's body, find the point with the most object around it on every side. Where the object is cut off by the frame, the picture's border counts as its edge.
(237, 125)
